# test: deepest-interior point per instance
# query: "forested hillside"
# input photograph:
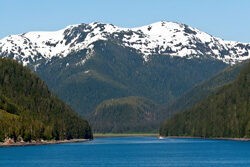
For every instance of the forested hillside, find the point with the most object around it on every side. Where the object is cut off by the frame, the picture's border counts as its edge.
(223, 114)
(29, 111)
(201, 91)
(125, 115)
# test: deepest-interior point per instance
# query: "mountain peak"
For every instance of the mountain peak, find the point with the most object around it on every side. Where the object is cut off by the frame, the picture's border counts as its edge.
(164, 38)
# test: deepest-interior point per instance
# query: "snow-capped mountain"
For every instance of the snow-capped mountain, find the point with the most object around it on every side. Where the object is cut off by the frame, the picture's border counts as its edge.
(161, 38)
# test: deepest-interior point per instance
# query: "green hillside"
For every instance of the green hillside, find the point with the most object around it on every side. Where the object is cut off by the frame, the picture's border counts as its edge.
(225, 113)
(125, 115)
(28, 110)
(113, 71)
(201, 91)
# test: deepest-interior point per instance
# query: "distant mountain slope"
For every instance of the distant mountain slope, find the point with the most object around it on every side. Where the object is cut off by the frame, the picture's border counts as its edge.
(125, 115)
(224, 114)
(201, 91)
(30, 111)
(161, 112)
(114, 72)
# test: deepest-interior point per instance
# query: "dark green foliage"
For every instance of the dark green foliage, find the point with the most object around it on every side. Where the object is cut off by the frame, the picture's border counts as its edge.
(125, 115)
(114, 72)
(223, 114)
(30, 111)
(201, 91)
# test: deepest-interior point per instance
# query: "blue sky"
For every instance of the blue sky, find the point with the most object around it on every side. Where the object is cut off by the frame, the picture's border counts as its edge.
(228, 19)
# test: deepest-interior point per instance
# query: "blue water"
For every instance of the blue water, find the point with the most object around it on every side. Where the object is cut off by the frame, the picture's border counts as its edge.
(130, 152)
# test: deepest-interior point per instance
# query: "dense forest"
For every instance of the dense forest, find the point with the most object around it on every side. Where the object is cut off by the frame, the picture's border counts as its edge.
(200, 91)
(125, 115)
(29, 111)
(225, 113)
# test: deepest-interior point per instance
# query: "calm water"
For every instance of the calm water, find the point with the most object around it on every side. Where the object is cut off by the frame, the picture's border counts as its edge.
(130, 152)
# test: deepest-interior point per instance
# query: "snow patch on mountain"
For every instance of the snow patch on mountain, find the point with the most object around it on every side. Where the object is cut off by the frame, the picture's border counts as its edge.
(164, 38)
(90, 53)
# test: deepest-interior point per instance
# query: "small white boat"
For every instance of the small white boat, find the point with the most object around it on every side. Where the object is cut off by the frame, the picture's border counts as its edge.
(160, 137)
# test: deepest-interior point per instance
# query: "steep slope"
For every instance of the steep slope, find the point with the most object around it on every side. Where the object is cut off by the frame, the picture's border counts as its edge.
(125, 115)
(28, 109)
(223, 114)
(201, 91)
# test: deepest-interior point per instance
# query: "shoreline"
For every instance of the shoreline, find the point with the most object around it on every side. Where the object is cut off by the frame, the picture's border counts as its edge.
(36, 143)
(101, 135)
(206, 138)
(104, 135)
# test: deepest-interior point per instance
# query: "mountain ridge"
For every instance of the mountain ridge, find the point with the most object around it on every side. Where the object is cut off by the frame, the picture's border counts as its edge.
(165, 38)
